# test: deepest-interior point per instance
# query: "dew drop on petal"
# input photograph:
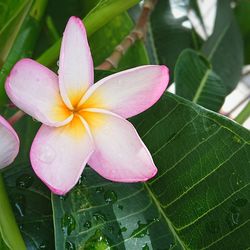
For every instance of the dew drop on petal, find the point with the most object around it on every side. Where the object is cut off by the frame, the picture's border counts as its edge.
(47, 154)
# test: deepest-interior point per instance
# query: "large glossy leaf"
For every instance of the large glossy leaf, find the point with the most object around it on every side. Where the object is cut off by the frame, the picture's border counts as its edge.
(104, 41)
(198, 200)
(196, 81)
(12, 14)
(242, 12)
(3, 245)
(170, 36)
(224, 48)
(29, 198)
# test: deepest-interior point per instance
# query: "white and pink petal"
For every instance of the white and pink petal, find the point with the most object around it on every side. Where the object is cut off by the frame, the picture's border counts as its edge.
(120, 155)
(34, 89)
(129, 92)
(9, 143)
(59, 155)
(76, 71)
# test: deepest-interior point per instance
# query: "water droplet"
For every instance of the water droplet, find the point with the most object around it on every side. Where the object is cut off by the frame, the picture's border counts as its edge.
(58, 63)
(241, 202)
(233, 217)
(156, 219)
(213, 227)
(110, 197)
(99, 190)
(37, 226)
(68, 224)
(47, 154)
(111, 229)
(24, 181)
(44, 245)
(239, 181)
(99, 217)
(237, 139)
(120, 207)
(98, 242)
(69, 245)
(140, 231)
(87, 224)
(63, 197)
(20, 203)
(145, 247)
(34, 120)
(123, 229)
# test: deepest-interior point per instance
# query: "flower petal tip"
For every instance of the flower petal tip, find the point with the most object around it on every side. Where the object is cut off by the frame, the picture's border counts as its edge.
(74, 20)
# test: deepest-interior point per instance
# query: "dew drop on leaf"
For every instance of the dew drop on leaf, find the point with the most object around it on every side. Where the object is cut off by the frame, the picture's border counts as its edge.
(24, 181)
(145, 247)
(241, 202)
(20, 203)
(120, 207)
(68, 224)
(99, 217)
(110, 197)
(140, 231)
(69, 245)
(99, 190)
(43, 245)
(87, 224)
(233, 217)
(97, 242)
(237, 139)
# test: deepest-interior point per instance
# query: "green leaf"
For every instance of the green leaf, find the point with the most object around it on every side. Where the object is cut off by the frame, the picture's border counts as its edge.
(102, 13)
(242, 13)
(12, 14)
(3, 245)
(196, 81)
(24, 43)
(224, 48)
(169, 35)
(198, 200)
(29, 198)
(103, 42)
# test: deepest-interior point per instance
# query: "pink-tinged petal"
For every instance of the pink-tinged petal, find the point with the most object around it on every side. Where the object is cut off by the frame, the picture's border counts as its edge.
(120, 155)
(129, 92)
(35, 89)
(9, 143)
(58, 155)
(75, 63)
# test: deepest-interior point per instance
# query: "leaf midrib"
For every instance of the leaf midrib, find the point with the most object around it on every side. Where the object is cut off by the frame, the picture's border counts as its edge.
(201, 86)
(170, 225)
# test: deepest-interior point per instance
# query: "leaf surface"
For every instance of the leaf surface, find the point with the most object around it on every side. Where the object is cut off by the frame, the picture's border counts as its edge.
(196, 81)
(198, 200)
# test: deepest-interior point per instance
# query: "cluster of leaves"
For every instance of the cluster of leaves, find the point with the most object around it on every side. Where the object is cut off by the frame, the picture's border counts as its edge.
(200, 197)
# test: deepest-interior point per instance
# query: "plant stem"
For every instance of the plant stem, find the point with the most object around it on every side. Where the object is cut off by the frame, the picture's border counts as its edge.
(138, 33)
(8, 226)
(97, 18)
(54, 35)
(16, 117)
(244, 114)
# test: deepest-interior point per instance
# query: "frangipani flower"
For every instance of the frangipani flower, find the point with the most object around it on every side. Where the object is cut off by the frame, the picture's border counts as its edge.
(85, 123)
(9, 143)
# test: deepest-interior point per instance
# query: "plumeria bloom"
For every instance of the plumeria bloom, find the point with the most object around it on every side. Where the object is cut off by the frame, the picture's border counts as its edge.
(85, 123)
(9, 143)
